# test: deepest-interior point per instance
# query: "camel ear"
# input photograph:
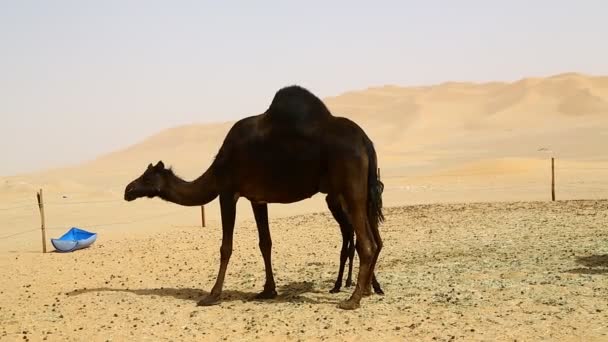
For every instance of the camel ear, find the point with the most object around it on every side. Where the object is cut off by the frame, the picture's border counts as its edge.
(160, 165)
(150, 166)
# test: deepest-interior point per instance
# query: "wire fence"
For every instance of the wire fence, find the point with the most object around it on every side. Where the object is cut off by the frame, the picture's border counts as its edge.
(97, 225)
(18, 207)
(588, 186)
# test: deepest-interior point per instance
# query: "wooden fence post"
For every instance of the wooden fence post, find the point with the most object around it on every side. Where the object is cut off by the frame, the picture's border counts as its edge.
(203, 215)
(42, 225)
(552, 179)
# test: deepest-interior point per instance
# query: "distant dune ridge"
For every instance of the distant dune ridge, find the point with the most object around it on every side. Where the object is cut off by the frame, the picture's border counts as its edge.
(455, 141)
(456, 269)
(414, 115)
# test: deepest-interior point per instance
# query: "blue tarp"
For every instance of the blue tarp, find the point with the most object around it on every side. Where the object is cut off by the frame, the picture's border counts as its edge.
(74, 239)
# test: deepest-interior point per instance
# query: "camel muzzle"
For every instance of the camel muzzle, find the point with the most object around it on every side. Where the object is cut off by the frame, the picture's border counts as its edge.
(129, 194)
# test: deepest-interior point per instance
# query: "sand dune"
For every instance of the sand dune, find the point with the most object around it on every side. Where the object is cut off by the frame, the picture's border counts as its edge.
(400, 120)
(455, 141)
(418, 132)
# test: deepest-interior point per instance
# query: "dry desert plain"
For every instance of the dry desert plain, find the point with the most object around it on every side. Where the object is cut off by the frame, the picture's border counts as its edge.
(474, 248)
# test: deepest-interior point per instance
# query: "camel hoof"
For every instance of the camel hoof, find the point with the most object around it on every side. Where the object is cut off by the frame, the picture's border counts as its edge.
(378, 290)
(348, 305)
(349, 283)
(208, 301)
(266, 294)
(334, 290)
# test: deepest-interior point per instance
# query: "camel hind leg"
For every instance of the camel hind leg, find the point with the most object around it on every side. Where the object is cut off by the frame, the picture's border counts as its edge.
(379, 244)
(373, 282)
(366, 246)
(348, 248)
(351, 257)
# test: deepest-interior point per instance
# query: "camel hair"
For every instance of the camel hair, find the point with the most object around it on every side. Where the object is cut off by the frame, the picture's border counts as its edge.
(290, 152)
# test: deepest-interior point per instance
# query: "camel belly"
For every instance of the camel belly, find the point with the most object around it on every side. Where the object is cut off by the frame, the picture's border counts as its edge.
(280, 185)
(280, 173)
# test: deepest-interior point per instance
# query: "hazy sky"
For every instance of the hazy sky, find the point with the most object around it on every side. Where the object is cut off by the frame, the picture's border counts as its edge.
(79, 78)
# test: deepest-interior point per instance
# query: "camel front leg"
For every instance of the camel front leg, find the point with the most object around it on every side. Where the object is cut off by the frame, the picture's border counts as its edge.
(260, 212)
(228, 211)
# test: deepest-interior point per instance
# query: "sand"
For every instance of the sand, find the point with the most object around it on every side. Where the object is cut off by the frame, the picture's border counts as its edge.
(513, 266)
(490, 272)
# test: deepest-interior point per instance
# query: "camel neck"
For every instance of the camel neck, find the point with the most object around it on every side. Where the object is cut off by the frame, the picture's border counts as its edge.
(197, 192)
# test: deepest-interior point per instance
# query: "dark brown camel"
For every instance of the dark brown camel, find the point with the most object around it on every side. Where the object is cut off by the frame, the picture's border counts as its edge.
(292, 151)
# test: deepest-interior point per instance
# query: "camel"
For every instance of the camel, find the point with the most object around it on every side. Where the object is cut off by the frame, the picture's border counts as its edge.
(290, 152)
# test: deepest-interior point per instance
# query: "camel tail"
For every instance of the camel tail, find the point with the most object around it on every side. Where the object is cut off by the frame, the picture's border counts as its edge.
(375, 187)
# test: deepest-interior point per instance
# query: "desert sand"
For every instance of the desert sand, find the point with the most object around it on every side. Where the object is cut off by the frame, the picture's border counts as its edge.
(475, 250)
(491, 272)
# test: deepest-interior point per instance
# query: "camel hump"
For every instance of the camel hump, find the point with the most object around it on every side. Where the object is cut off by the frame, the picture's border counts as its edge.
(296, 105)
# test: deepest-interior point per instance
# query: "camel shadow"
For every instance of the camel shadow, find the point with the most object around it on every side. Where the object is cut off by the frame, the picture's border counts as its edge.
(594, 264)
(290, 293)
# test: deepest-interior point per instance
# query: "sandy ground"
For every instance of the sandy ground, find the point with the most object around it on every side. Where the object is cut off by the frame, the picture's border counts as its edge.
(503, 270)
(492, 272)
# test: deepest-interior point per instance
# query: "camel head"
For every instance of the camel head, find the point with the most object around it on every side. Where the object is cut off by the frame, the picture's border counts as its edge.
(149, 184)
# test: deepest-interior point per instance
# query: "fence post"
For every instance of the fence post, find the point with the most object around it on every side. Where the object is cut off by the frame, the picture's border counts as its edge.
(203, 215)
(552, 179)
(42, 225)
